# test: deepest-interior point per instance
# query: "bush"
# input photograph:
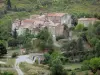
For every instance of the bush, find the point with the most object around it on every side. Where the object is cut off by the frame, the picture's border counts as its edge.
(57, 68)
(85, 65)
(77, 69)
(47, 58)
(6, 73)
(92, 64)
(73, 73)
(14, 55)
(86, 73)
(59, 37)
(69, 69)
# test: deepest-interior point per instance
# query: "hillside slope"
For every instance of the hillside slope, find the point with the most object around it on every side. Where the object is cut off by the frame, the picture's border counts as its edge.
(23, 8)
(70, 6)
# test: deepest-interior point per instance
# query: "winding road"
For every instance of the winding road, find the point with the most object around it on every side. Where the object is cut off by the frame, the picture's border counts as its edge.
(23, 58)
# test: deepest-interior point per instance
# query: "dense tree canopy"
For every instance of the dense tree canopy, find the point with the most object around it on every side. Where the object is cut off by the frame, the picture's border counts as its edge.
(3, 49)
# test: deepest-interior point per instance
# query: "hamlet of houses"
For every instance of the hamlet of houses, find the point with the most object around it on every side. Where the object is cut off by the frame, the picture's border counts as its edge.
(53, 21)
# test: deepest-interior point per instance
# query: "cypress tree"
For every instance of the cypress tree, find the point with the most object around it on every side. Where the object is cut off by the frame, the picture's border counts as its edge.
(8, 4)
(15, 34)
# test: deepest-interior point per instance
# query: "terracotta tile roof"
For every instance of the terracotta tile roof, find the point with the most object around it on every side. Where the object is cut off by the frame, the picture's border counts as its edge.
(56, 14)
(88, 19)
(25, 26)
(34, 16)
(28, 21)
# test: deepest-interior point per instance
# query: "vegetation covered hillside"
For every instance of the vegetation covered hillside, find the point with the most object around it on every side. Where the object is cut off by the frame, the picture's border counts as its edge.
(71, 6)
(12, 9)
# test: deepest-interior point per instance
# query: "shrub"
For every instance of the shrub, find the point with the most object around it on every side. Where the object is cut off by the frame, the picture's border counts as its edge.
(86, 73)
(85, 65)
(57, 68)
(14, 55)
(47, 58)
(6, 73)
(59, 37)
(73, 73)
(92, 64)
(79, 27)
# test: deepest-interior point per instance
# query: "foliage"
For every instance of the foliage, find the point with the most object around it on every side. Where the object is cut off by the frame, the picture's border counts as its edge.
(93, 41)
(70, 45)
(80, 46)
(59, 37)
(79, 27)
(47, 58)
(33, 69)
(12, 42)
(3, 49)
(44, 35)
(56, 64)
(73, 73)
(57, 67)
(97, 48)
(8, 4)
(86, 73)
(74, 20)
(45, 38)
(14, 55)
(98, 29)
(15, 34)
(26, 39)
(85, 65)
(93, 64)
(6, 73)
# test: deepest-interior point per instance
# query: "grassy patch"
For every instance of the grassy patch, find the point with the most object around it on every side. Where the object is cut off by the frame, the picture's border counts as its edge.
(72, 66)
(12, 51)
(12, 71)
(10, 62)
(9, 67)
(34, 69)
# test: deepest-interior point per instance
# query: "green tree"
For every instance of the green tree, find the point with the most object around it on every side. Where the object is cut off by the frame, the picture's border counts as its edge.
(57, 68)
(47, 58)
(56, 64)
(97, 48)
(98, 29)
(93, 64)
(73, 73)
(44, 35)
(15, 34)
(26, 39)
(3, 49)
(12, 42)
(8, 4)
(93, 41)
(80, 44)
(45, 38)
(79, 27)
(85, 65)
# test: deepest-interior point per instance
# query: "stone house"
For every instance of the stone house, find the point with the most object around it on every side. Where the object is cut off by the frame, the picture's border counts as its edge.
(87, 21)
(56, 29)
(62, 18)
(53, 21)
